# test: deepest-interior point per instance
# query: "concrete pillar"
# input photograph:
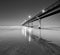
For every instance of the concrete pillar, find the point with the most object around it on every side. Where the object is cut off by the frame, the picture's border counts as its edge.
(40, 27)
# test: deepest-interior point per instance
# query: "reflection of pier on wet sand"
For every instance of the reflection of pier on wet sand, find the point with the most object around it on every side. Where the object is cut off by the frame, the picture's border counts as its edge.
(17, 44)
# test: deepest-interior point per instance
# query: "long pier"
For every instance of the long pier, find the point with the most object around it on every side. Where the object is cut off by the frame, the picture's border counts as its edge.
(49, 11)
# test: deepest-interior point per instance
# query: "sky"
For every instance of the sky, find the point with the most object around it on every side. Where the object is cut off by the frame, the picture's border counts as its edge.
(14, 12)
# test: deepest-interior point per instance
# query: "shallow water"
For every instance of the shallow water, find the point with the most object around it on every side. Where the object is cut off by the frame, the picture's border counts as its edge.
(14, 42)
(51, 35)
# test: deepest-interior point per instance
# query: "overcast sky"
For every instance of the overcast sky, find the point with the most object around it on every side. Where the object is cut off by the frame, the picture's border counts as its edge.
(13, 12)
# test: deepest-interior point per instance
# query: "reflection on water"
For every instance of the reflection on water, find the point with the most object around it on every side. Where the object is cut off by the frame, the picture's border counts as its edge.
(51, 35)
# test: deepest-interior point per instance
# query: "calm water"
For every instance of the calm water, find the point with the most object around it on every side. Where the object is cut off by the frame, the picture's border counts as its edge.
(51, 35)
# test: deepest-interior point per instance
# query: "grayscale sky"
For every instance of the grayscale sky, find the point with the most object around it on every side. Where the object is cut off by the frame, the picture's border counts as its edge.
(13, 12)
